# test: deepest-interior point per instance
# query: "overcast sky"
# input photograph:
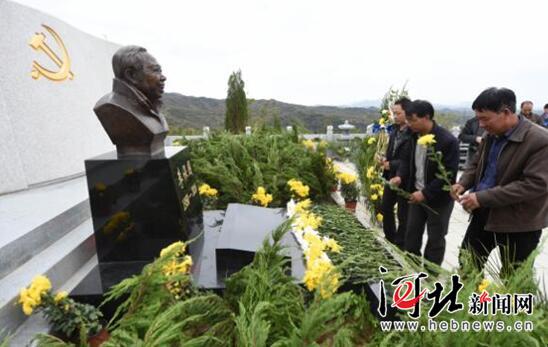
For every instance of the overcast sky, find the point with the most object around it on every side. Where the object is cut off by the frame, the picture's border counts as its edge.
(330, 52)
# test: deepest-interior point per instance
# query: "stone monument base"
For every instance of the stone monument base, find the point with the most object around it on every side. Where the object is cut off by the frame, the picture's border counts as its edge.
(139, 205)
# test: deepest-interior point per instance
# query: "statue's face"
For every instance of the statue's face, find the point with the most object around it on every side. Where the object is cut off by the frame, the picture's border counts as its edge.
(150, 81)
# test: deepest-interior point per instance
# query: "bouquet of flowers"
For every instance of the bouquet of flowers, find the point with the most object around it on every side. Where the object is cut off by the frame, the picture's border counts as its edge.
(64, 314)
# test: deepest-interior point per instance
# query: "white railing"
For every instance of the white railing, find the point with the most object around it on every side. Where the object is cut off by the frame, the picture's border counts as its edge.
(327, 136)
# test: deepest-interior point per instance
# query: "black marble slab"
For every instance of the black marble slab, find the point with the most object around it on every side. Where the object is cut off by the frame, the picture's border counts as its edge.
(243, 232)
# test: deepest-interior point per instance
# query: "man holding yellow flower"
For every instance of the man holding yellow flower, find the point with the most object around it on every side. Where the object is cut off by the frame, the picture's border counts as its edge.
(426, 181)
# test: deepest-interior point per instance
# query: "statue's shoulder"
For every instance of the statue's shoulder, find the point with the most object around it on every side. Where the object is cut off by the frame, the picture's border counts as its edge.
(115, 101)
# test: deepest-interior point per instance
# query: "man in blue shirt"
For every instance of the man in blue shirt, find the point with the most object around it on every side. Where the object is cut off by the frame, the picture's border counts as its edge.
(490, 173)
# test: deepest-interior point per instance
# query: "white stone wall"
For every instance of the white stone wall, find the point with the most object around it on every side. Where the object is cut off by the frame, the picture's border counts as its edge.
(48, 128)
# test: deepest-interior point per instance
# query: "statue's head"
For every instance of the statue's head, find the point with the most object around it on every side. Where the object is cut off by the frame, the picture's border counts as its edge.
(135, 66)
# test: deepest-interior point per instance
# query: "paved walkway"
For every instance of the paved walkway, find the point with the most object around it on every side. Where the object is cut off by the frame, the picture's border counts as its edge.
(457, 228)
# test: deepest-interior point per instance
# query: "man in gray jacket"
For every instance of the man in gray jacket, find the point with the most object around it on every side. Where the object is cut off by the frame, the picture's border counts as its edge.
(508, 182)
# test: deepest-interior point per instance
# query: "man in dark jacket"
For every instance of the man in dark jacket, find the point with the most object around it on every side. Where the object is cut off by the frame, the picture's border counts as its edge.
(508, 180)
(526, 111)
(425, 185)
(398, 144)
(471, 134)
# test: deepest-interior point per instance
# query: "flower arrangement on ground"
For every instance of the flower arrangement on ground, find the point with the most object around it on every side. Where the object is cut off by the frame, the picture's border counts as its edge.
(320, 272)
(208, 195)
(349, 189)
(66, 316)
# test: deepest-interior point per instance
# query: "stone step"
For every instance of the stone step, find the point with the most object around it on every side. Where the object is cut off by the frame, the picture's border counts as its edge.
(25, 247)
(60, 261)
(32, 220)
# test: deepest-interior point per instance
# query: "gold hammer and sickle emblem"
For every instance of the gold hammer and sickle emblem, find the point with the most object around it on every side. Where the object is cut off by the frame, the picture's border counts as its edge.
(38, 43)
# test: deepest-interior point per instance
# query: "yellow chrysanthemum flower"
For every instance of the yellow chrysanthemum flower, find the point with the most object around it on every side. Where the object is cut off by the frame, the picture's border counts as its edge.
(483, 285)
(321, 274)
(307, 219)
(28, 301)
(186, 265)
(380, 217)
(382, 121)
(60, 296)
(175, 266)
(370, 172)
(347, 178)
(41, 283)
(298, 188)
(315, 271)
(303, 206)
(332, 245)
(262, 197)
(426, 140)
(315, 248)
(170, 268)
(376, 186)
(309, 144)
(31, 297)
(178, 248)
(371, 140)
(207, 191)
(374, 197)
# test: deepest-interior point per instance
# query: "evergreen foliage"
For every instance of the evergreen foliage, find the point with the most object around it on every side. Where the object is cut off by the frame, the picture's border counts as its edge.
(237, 165)
(236, 104)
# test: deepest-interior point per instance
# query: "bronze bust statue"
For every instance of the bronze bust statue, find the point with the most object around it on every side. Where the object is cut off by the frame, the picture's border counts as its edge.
(130, 113)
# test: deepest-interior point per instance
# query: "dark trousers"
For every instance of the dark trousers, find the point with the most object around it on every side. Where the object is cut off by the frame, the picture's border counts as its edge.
(514, 247)
(436, 226)
(389, 200)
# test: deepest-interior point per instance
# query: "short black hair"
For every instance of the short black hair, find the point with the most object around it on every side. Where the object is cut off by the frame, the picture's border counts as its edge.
(420, 108)
(495, 99)
(526, 102)
(404, 102)
(546, 106)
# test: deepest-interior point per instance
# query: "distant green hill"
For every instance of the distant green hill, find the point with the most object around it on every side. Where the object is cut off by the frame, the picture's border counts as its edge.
(193, 113)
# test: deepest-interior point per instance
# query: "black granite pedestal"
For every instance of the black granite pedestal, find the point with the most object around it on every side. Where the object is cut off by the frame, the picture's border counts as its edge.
(139, 205)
